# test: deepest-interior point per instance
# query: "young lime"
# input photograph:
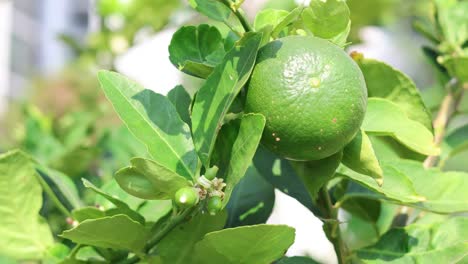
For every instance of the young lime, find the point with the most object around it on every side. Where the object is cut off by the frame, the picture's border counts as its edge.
(186, 197)
(312, 93)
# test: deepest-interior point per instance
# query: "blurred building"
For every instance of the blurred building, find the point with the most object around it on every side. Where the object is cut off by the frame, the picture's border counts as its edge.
(29, 42)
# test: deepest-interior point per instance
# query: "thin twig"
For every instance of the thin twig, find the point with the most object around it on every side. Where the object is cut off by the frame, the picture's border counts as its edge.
(332, 229)
(446, 111)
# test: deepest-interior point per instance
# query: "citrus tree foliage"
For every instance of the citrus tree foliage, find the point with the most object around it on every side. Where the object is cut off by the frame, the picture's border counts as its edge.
(202, 186)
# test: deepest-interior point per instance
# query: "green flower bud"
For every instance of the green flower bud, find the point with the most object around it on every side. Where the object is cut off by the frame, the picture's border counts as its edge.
(211, 173)
(186, 197)
(214, 205)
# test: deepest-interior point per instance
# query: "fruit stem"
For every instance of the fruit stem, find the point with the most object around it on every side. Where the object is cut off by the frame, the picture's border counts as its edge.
(332, 225)
(240, 14)
(171, 224)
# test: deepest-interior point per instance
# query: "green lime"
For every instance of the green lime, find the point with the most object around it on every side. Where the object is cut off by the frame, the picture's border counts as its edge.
(214, 205)
(312, 94)
(186, 197)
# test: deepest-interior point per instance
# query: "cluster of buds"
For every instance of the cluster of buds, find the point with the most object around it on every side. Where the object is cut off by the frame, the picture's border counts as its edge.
(208, 188)
(211, 188)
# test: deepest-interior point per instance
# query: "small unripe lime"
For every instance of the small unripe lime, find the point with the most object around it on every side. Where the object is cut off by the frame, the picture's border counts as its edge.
(186, 197)
(214, 205)
(312, 94)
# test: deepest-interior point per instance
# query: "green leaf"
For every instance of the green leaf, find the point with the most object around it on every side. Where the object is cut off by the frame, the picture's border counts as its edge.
(177, 247)
(236, 149)
(86, 255)
(251, 201)
(292, 17)
(153, 211)
(359, 156)
(454, 22)
(113, 188)
(342, 38)
(368, 210)
(181, 99)
(89, 212)
(386, 82)
(457, 66)
(55, 254)
(149, 180)
(116, 232)
(385, 118)
(388, 148)
(212, 9)
(122, 207)
(279, 173)
(443, 242)
(266, 243)
(315, 174)
(359, 233)
(326, 19)
(396, 186)
(153, 119)
(408, 182)
(196, 50)
(24, 233)
(444, 192)
(455, 142)
(221, 88)
(269, 17)
(76, 160)
(62, 186)
(426, 27)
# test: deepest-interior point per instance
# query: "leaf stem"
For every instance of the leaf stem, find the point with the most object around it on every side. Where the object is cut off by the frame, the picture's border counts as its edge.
(240, 14)
(52, 196)
(332, 225)
(171, 224)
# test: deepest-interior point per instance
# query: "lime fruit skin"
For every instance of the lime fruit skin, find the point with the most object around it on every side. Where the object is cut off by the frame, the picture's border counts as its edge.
(312, 94)
(186, 197)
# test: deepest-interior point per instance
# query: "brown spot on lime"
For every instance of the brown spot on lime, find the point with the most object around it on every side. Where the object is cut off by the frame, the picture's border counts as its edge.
(356, 56)
(334, 120)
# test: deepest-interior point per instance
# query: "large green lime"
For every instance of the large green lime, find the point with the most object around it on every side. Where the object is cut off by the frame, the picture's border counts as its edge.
(312, 93)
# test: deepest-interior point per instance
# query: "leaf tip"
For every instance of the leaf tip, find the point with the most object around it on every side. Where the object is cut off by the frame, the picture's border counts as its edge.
(380, 181)
(86, 183)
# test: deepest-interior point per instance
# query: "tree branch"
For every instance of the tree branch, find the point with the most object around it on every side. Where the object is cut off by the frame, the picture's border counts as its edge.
(446, 111)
